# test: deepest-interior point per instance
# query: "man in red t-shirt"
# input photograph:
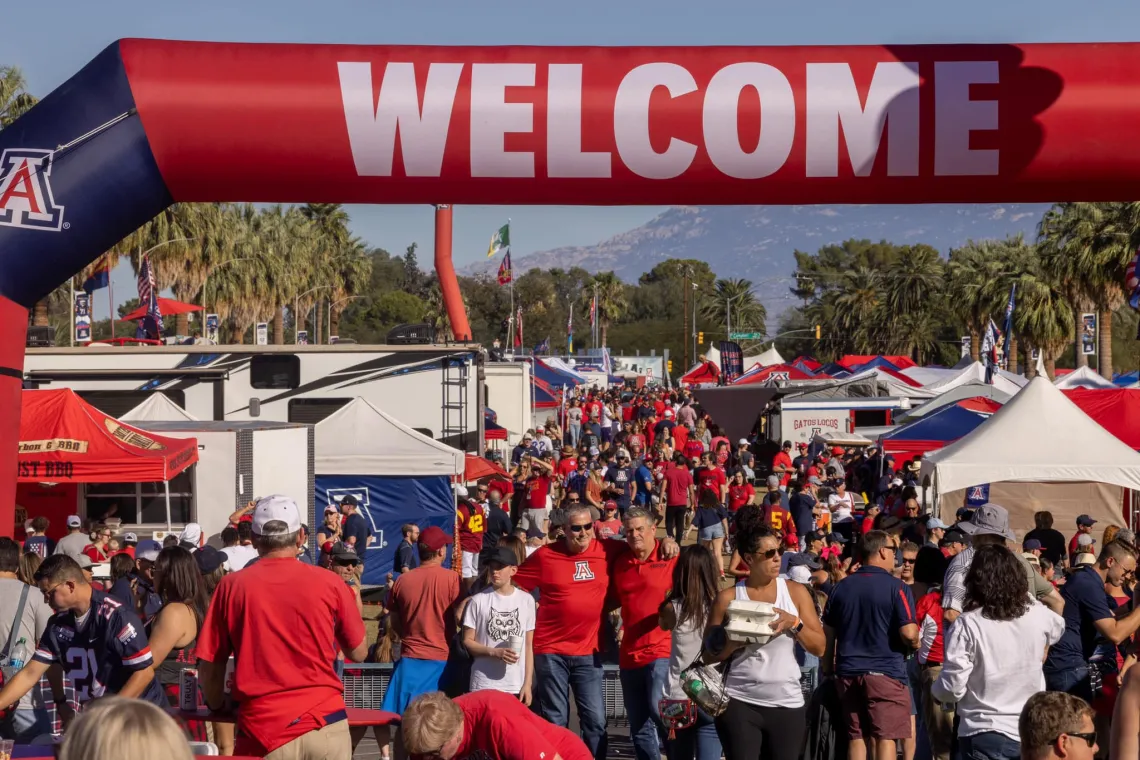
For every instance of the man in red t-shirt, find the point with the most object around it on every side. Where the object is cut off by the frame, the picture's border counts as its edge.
(782, 465)
(642, 578)
(1084, 526)
(711, 479)
(423, 603)
(678, 494)
(572, 577)
(285, 686)
(484, 724)
(472, 524)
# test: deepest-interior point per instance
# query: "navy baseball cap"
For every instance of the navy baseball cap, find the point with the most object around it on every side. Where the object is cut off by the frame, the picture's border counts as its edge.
(1085, 520)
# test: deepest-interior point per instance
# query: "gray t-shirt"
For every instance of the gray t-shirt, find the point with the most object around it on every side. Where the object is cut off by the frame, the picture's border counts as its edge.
(32, 625)
(72, 545)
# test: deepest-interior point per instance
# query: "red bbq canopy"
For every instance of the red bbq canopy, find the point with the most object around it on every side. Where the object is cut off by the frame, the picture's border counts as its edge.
(65, 439)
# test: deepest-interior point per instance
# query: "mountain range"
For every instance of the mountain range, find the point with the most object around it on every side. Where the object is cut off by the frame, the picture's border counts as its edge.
(756, 242)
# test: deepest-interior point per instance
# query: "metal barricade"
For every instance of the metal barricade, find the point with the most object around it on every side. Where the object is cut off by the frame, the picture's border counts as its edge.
(612, 697)
(365, 684)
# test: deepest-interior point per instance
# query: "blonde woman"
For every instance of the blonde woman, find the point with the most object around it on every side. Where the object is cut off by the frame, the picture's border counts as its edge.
(114, 728)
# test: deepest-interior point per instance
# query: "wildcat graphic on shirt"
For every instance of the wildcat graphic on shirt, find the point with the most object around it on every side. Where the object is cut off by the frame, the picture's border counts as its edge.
(503, 624)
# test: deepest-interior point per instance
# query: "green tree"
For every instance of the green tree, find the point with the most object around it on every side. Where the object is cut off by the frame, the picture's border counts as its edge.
(734, 297)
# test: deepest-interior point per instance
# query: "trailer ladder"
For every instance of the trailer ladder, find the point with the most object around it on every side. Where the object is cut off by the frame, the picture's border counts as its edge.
(455, 378)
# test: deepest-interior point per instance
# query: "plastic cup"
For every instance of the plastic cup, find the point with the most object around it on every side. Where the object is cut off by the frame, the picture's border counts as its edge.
(6, 747)
(516, 644)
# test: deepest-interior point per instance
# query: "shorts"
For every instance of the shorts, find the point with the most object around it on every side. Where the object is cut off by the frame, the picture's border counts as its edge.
(710, 532)
(533, 517)
(875, 706)
(470, 564)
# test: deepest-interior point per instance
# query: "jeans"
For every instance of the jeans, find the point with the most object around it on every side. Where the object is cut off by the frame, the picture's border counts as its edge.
(642, 688)
(1074, 681)
(675, 521)
(698, 742)
(989, 745)
(575, 433)
(28, 724)
(555, 675)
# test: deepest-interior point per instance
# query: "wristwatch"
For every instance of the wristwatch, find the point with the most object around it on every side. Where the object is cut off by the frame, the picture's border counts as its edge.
(795, 630)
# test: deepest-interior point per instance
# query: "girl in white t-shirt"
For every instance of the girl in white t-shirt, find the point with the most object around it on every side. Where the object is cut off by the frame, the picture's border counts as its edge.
(498, 631)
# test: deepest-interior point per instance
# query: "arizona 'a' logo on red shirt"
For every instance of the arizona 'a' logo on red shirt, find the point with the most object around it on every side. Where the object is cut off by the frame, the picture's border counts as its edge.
(582, 571)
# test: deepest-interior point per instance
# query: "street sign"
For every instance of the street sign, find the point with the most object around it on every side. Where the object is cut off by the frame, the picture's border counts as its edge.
(745, 336)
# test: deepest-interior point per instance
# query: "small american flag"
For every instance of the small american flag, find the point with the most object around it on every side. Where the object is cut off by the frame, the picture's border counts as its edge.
(151, 324)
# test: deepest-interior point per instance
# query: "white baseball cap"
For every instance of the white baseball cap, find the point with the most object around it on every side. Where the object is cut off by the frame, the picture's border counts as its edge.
(73, 521)
(191, 534)
(276, 507)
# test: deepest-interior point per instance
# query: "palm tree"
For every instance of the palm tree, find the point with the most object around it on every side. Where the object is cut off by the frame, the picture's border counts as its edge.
(612, 300)
(15, 100)
(967, 274)
(914, 279)
(1086, 248)
(1043, 318)
(351, 276)
(331, 223)
(734, 297)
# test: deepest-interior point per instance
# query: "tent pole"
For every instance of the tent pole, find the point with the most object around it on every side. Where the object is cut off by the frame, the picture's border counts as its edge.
(166, 490)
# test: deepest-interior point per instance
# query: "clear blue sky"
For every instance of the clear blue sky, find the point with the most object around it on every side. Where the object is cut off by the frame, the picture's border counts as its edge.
(51, 45)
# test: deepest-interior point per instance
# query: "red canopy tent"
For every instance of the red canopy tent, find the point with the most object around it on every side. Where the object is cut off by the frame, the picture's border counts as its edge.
(1117, 411)
(782, 371)
(857, 360)
(64, 439)
(168, 307)
(704, 373)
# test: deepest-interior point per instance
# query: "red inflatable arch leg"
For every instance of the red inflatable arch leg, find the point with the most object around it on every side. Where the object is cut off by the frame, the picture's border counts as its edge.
(445, 270)
(14, 319)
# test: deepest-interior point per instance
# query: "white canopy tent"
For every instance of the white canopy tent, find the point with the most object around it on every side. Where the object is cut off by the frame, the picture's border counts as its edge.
(1083, 377)
(360, 439)
(158, 408)
(765, 359)
(1007, 382)
(1038, 452)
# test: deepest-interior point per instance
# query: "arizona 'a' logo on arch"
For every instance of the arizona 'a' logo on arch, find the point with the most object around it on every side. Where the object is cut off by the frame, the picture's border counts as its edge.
(25, 190)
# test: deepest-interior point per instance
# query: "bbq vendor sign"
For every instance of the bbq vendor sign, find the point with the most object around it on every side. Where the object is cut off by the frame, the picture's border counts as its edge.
(47, 469)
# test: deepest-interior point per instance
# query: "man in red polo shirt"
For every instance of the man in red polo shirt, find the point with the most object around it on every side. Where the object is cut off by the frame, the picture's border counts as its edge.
(642, 578)
(573, 580)
(287, 692)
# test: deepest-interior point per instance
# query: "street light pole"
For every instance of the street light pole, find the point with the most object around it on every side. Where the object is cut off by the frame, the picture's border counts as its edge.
(332, 305)
(297, 308)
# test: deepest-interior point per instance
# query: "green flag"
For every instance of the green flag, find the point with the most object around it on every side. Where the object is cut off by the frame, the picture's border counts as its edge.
(500, 241)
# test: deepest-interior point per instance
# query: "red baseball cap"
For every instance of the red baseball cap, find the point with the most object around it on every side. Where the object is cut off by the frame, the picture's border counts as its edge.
(434, 538)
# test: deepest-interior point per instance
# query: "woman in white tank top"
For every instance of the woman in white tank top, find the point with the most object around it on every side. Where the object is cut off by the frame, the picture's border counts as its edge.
(766, 714)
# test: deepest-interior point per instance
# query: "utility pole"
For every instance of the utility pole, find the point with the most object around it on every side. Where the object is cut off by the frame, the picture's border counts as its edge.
(685, 323)
(696, 353)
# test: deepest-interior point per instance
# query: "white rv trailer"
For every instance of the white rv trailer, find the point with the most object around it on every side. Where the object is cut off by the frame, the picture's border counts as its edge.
(437, 390)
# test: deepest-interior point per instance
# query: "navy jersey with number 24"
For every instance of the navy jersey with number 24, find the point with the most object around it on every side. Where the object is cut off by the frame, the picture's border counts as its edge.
(100, 655)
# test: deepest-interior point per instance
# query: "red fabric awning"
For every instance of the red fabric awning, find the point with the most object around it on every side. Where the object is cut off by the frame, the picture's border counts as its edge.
(1117, 411)
(476, 467)
(64, 439)
(980, 404)
(168, 307)
(704, 372)
(763, 374)
(912, 448)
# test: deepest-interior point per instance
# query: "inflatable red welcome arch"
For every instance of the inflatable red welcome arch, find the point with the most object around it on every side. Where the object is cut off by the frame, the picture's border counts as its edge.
(148, 123)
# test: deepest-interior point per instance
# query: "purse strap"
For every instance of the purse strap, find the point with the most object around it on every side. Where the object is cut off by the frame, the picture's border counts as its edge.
(16, 623)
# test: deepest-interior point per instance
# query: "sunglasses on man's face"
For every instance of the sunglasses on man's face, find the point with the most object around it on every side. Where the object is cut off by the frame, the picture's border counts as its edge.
(580, 528)
(908, 561)
(1089, 737)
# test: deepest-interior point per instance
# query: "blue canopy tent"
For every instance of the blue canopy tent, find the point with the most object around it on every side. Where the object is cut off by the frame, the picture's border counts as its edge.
(878, 361)
(555, 377)
(933, 431)
(397, 476)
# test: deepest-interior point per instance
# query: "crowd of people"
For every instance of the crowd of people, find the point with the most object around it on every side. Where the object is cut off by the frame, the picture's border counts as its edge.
(891, 633)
